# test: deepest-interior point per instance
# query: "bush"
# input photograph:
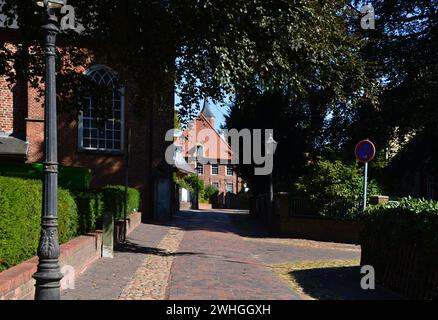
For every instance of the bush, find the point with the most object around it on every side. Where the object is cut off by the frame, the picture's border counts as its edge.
(114, 200)
(91, 210)
(210, 194)
(93, 204)
(20, 219)
(191, 183)
(334, 180)
(20, 214)
(388, 230)
(70, 178)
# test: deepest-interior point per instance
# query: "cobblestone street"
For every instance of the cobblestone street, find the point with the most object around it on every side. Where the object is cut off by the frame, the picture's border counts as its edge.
(202, 255)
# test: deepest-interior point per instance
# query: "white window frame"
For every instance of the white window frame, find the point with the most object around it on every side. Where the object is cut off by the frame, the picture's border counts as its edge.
(200, 166)
(211, 169)
(216, 184)
(122, 119)
(232, 187)
(226, 170)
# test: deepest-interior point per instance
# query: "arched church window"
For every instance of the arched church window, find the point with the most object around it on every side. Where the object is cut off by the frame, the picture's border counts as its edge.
(97, 132)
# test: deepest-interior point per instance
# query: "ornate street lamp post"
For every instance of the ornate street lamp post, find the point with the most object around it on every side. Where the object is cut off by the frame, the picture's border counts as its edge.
(271, 147)
(199, 154)
(48, 275)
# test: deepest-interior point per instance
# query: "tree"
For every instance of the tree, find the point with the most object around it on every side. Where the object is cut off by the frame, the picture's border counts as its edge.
(290, 125)
(214, 48)
(176, 121)
(404, 51)
(327, 180)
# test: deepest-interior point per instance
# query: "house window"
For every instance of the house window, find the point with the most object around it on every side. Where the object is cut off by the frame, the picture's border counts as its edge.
(230, 187)
(199, 151)
(214, 169)
(103, 132)
(229, 170)
(199, 168)
(216, 185)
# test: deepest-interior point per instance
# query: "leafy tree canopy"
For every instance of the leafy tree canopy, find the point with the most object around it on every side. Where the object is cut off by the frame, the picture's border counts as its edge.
(215, 48)
(404, 51)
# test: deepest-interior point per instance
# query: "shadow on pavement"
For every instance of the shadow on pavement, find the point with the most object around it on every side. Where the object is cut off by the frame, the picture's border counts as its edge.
(339, 283)
(236, 222)
(135, 248)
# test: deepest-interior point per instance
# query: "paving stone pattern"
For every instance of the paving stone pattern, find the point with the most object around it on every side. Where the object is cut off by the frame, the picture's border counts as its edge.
(106, 278)
(202, 255)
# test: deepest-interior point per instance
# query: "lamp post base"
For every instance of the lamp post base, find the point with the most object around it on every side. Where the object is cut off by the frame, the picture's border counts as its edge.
(48, 279)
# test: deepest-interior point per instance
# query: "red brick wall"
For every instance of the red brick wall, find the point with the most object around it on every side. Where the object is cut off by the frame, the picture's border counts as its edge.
(147, 140)
(6, 107)
(221, 177)
(17, 283)
(312, 228)
(35, 126)
(214, 148)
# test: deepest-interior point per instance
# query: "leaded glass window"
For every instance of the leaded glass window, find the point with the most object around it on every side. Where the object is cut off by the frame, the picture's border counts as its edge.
(103, 132)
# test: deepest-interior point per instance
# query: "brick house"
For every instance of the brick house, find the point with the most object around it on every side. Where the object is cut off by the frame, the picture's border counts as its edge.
(83, 143)
(202, 140)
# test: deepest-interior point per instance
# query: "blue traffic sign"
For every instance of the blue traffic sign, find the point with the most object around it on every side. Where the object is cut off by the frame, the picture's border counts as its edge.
(365, 151)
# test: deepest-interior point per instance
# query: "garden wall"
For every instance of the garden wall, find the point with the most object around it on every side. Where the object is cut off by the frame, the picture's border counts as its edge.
(280, 222)
(76, 256)
(343, 231)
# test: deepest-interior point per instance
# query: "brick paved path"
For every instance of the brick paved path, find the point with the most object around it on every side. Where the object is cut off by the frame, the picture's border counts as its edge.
(216, 255)
(106, 279)
(214, 262)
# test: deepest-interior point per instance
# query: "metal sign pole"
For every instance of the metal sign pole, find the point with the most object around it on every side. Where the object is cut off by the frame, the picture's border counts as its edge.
(365, 175)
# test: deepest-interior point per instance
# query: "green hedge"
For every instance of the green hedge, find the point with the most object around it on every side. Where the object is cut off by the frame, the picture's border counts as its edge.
(389, 230)
(94, 203)
(20, 214)
(79, 213)
(91, 210)
(70, 178)
(20, 219)
(209, 195)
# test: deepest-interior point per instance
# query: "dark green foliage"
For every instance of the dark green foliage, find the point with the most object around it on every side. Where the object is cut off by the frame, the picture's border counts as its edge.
(205, 47)
(92, 205)
(70, 178)
(114, 200)
(390, 229)
(191, 183)
(20, 219)
(91, 210)
(404, 51)
(291, 125)
(335, 180)
(210, 194)
(20, 214)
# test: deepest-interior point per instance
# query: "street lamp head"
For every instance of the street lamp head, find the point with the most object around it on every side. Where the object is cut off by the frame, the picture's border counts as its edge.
(271, 145)
(51, 4)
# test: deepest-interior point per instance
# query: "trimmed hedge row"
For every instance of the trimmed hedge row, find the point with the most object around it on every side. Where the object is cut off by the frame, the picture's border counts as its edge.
(93, 204)
(20, 219)
(400, 240)
(70, 178)
(78, 213)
